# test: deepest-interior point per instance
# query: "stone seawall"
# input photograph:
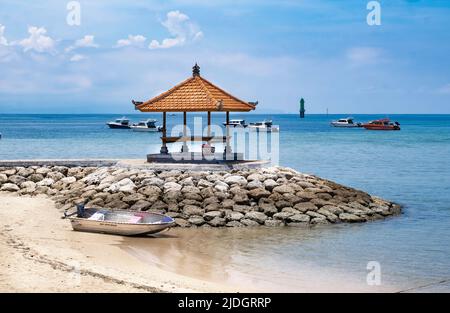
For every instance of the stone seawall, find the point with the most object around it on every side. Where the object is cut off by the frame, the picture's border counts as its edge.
(274, 196)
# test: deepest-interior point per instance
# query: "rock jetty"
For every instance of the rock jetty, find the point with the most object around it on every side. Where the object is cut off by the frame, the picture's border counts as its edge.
(274, 196)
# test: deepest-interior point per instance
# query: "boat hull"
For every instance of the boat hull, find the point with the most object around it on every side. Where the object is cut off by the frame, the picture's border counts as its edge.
(144, 130)
(113, 228)
(116, 126)
(345, 125)
(371, 127)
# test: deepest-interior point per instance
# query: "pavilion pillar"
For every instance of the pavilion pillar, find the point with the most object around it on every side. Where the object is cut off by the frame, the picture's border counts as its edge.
(164, 149)
(184, 148)
(209, 123)
(227, 140)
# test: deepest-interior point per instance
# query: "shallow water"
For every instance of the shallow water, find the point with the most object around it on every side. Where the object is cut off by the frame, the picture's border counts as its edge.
(411, 167)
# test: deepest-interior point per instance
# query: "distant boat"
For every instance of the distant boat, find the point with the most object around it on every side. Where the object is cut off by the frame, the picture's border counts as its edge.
(146, 126)
(382, 124)
(346, 123)
(265, 125)
(118, 222)
(236, 123)
(123, 123)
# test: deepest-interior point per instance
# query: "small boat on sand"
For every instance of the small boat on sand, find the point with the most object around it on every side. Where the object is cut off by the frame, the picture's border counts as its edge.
(345, 123)
(122, 123)
(118, 222)
(382, 124)
(146, 126)
(264, 126)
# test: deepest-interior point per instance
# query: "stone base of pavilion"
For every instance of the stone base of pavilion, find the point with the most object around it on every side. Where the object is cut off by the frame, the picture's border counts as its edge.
(168, 164)
(196, 158)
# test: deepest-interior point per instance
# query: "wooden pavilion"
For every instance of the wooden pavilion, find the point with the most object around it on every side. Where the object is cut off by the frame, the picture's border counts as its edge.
(195, 94)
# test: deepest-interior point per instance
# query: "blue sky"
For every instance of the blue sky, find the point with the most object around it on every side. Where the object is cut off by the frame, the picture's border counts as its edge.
(272, 51)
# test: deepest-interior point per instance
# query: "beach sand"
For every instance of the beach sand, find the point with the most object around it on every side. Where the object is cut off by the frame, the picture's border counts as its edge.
(41, 253)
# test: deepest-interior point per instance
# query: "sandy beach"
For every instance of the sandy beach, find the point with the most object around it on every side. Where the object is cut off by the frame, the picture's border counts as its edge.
(41, 253)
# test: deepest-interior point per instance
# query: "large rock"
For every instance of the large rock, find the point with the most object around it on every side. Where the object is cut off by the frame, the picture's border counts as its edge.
(196, 220)
(16, 179)
(255, 184)
(9, 187)
(282, 215)
(255, 177)
(172, 186)
(256, 216)
(153, 181)
(124, 185)
(305, 206)
(221, 186)
(117, 205)
(193, 210)
(212, 214)
(68, 180)
(234, 216)
(150, 191)
(46, 182)
(55, 175)
(350, 218)
(217, 221)
(236, 180)
(235, 224)
(283, 189)
(270, 184)
(25, 171)
(9, 171)
(249, 222)
(3, 178)
(258, 193)
(36, 177)
(133, 198)
(43, 170)
(299, 218)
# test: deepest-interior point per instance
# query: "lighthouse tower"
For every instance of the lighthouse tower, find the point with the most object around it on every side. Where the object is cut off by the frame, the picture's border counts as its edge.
(302, 108)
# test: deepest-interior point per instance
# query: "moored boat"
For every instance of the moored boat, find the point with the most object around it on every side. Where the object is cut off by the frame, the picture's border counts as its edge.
(382, 124)
(118, 222)
(236, 123)
(122, 123)
(345, 123)
(265, 125)
(146, 126)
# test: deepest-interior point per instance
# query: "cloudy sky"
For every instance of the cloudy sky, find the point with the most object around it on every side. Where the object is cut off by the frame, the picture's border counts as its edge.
(272, 51)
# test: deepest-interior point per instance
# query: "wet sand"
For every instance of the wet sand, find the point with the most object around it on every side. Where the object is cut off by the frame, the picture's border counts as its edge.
(41, 253)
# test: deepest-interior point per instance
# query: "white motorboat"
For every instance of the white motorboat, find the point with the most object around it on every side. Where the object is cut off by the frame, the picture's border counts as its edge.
(118, 222)
(122, 123)
(146, 126)
(236, 123)
(265, 125)
(346, 123)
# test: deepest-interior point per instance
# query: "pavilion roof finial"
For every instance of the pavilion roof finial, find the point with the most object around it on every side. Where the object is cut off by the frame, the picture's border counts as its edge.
(196, 70)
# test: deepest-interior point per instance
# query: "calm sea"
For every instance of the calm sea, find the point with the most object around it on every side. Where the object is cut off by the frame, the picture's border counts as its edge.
(411, 167)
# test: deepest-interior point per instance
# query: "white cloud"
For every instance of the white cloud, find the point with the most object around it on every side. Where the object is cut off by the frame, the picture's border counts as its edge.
(77, 57)
(3, 41)
(363, 55)
(37, 41)
(85, 42)
(132, 40)
(444, 89)
(181, 28)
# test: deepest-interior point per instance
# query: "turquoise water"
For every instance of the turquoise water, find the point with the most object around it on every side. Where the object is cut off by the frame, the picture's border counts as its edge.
(411, 167)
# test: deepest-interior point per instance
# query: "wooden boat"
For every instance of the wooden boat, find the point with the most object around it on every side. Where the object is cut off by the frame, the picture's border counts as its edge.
(345, 123)
(122, 123)
(118, 222)
(382, 124)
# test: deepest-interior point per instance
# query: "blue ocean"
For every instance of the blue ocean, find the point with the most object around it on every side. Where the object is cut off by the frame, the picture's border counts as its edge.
(411, 167)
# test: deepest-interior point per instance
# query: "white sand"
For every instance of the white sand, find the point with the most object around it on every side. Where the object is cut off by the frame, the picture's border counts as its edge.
(41, 253)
